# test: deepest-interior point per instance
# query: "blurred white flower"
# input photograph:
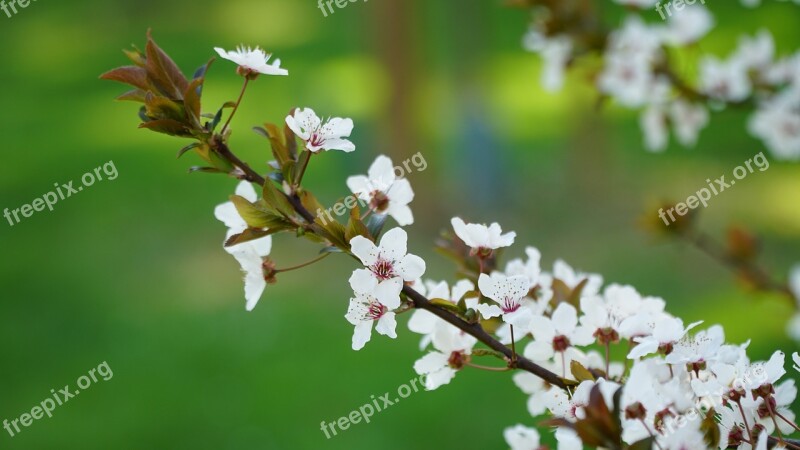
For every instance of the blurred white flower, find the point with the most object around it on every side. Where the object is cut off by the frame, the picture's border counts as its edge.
(253, 60)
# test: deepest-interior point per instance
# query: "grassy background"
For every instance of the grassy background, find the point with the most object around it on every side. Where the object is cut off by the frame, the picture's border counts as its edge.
(131, 271)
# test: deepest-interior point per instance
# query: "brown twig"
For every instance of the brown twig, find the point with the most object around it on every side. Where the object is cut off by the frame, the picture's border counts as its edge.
(758, 275)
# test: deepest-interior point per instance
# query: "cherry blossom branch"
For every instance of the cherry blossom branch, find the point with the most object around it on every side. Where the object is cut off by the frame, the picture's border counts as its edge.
(225, 152)
(476, 331)
(420, 301)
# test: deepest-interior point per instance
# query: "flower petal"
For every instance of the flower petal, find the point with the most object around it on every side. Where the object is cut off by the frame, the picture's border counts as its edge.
(388, 292)
(364, 249)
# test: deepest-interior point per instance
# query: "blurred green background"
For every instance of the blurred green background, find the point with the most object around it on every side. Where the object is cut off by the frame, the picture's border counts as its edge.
(132, 272)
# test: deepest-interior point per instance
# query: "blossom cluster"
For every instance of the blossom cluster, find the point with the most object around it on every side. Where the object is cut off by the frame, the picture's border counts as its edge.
(638, 73)
(675, 388)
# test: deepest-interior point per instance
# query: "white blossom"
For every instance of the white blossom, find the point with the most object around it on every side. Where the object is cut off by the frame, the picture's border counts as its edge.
(249, 254)
(384, 191)
(388, 265)
(364, 311)
(319, 135)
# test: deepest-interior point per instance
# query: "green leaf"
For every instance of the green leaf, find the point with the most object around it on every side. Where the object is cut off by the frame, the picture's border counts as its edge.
(167, 126)
(202, 70)
(331, 250)
(136, 56)
(260, 131)
(375, 224)
(162, 108)
(580, 372)
(291, 140)
(277, 200)
(710, 429)
(192, 100)
(211, 126)
(355, 227)
(191, 146)
(256, 215)
(302, 163)
(644, 444)
(446, 304)
(205, 169)
(279, 150)
(250, 234)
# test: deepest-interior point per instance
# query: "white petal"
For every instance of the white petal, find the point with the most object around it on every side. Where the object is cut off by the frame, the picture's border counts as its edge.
(393, 244)
(360, 185)
(387, 325)
(519, 318)
(431, 362)
(439, 378)
(411, 267)
(362, 334)
(337, 128)
(565, 318)
(364, 249)
(401, 213)
(338, 144)
(542, 329)
(539, 351)
(381, 172)
(489, 311)
(388, 292)
(363, 281)
(296, 128)
(460, 289)
(401, 192)
(227, 214)
(245, 189)
(254, 283)
(422, 322)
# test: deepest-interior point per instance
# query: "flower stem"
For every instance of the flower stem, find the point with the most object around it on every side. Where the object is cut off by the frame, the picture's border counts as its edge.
(236, 107)
(744, 418)
(513, 346)
(319, 258)
(794, 425)
(492, 369)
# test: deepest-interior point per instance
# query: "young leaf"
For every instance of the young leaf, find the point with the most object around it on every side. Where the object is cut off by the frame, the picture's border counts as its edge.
(355, 227)
(277, 200)
(187, 148)
(167, 126)
(255, 214)
(135, 76)
(163, 71)
(250, 234)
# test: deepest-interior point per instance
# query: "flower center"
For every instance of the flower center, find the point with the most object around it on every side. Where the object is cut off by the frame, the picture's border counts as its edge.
(379, 201)
(561, 343)
(606, 336)
(509, 305)
(375, 311)
(316, 140)
(383, 269)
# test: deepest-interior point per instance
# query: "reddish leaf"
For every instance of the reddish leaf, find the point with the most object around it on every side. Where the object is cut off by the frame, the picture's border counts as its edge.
(135, 76)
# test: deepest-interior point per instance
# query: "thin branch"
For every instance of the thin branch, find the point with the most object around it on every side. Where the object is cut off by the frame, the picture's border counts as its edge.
(758, 275)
